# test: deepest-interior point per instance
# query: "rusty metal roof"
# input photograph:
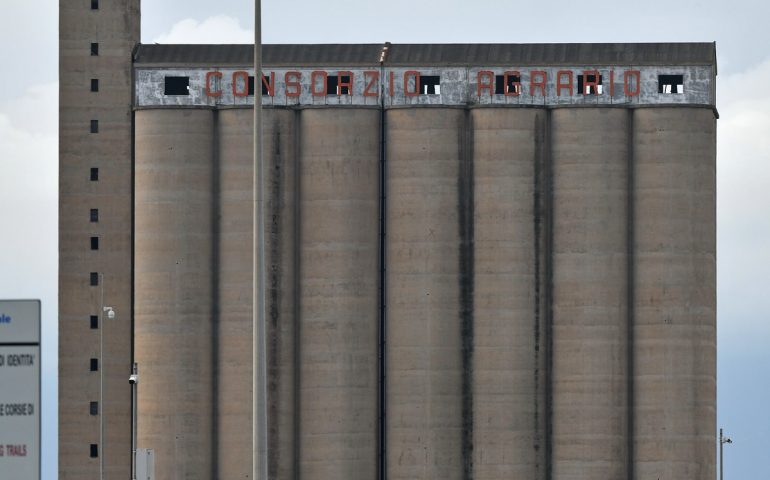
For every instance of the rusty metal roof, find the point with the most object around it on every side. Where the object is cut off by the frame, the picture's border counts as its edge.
(431, 54)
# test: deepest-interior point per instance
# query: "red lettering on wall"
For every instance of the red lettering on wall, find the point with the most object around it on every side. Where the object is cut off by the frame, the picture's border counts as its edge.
(241, 75)
(348, 84)
(210, 92)
(413, 74)
(533, 84)
(372, 76)
(489, 84)
(270, 87)
(626, 82)
(587, 83)
(561, 85)
(314, 80)
(392, 83)
(612, 83)
(292, 82)
(516, 91)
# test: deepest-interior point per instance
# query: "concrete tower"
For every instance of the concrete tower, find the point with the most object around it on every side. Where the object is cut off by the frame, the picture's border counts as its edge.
(96, 41)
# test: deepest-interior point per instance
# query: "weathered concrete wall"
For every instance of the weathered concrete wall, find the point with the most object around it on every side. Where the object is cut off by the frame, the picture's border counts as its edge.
(675, 298)
(491, 213)
(459, 86)
(115, 26)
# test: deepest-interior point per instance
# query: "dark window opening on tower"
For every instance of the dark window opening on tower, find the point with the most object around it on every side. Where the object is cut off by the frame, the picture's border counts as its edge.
(430, 85)
(94, 49)
(592, 89)
(514, 84)
(94, 322)
(176, 86)
(94, 243)
(264, 87)
(94, 174)
(93, 408)
(94, 279)
(94, 215)
(94, 84)
(94, 4)
(94, 126)
(94, 364)
(670, 83)
(94, 450)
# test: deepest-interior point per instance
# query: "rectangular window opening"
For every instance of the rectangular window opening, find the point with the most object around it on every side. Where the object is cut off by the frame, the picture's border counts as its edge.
(94, 279)
(94, 322)
(94, 365)
(94, 215)
(94, 4)
(332, 82)
(670, 84)
(94, 174)
(94, 450)
(176, 86)
(93, 408)
(94, 84)
(94, 243)
(592, 90)
(430, 85)
(94, 49)
(94, 126)
(514, 84)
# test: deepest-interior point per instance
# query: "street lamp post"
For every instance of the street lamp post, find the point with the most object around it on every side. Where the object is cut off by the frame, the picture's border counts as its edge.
(110, 314)
(722, 441)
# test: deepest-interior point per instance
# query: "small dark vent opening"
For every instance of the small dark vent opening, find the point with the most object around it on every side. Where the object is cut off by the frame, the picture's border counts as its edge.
(94, 174)
(592, 89)
(94, 215)
(265, 90)
(94, 450)
(94, 243)
(94, 366)
(93, 408)
(176, 86)
(94, 49)
(514, 84)
(94, 322)
(94, 84)
(430, 85)
(670, 84)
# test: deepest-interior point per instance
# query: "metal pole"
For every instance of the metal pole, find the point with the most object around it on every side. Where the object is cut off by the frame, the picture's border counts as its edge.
(259, 385)
(721, 456)
(134, 386)
(101, 379)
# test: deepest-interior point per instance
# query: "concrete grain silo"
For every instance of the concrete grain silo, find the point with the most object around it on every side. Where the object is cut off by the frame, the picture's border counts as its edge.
(483, 261)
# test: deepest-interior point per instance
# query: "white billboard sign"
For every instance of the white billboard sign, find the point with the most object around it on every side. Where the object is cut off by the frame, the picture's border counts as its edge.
(19, 389)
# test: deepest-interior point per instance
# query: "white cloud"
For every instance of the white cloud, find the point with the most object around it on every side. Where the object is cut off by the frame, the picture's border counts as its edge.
(216, 29)
(743, 189)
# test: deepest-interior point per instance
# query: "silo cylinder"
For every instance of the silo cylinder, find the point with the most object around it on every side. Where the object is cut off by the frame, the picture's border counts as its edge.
(338, 296)
(590, 312)
(508, 366)
(174, 271)
(675, 294)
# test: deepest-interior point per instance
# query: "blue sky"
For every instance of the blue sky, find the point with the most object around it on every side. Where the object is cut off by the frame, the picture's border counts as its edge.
(28, 144)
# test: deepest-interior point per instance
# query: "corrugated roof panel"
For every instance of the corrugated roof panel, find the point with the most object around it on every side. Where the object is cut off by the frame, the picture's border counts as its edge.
(433, 54)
